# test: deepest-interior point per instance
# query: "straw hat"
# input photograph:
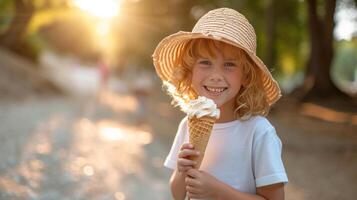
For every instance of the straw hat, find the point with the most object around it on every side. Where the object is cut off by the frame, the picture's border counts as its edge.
(223, 24)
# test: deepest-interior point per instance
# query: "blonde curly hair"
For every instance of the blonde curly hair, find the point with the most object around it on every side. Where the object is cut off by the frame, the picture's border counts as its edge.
(251, 99)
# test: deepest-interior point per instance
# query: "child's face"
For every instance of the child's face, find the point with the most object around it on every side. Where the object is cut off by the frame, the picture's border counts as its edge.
(218, 78)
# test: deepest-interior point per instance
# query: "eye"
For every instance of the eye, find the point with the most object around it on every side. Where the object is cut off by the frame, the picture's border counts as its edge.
(230, 64)
(204, 63)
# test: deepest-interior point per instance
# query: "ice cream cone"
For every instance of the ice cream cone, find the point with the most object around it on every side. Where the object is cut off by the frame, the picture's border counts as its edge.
(199, 133)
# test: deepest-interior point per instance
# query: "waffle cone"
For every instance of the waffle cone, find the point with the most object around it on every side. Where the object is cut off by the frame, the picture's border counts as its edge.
(199, 133)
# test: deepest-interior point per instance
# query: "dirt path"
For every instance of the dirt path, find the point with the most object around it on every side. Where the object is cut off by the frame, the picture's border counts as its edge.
(320, 157)
(65, 148)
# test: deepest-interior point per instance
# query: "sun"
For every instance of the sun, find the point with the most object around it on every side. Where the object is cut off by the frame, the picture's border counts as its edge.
(105, 9)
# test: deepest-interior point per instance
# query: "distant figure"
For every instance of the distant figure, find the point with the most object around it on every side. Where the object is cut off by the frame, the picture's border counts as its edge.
(104, 74)
(141, 86)
(217, 60)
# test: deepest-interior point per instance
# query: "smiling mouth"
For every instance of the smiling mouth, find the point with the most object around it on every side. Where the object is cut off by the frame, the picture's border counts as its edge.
(215, 90)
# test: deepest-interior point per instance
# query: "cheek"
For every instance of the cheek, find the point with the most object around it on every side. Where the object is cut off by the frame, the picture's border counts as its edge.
(196, 79)
(195, 83)
(236, 81)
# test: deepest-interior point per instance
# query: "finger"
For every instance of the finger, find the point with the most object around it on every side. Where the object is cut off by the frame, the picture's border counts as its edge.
(192, 190)
(191, 181)
(184, 169)
(188, 152)
(193, 195)
(186, 162)
(186, 146)
(194, 173)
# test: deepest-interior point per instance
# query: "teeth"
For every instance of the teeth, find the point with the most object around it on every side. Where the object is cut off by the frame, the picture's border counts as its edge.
(215, 89)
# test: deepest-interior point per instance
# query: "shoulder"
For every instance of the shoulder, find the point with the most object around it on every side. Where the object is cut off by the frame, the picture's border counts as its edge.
(258, 123)
(260, 126)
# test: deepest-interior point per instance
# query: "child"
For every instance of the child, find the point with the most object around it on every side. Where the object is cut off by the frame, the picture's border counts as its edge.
(243, 156)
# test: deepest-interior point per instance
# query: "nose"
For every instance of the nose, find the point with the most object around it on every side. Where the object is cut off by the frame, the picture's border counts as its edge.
(216, 76)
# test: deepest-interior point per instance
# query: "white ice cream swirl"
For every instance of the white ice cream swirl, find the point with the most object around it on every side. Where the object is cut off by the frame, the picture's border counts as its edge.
(202, 106)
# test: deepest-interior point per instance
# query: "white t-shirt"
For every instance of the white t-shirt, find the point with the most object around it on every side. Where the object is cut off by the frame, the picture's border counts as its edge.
(242, 154)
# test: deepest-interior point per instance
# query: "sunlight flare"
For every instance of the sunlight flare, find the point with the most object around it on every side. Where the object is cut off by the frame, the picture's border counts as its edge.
(103, 29)
(105, 9)
(88, 170)
(119, 196)
(110, 131)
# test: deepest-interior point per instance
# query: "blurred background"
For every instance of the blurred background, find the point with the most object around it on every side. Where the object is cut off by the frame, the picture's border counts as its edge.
(83, 115)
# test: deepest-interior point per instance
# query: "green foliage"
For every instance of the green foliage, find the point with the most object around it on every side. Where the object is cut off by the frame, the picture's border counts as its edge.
(23, 18)
(4, 4)
(345, 62)
(6, 14)
(291, 33)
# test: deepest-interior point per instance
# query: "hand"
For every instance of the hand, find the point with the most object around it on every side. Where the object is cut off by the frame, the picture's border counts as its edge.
(183, 161)
(200, 184)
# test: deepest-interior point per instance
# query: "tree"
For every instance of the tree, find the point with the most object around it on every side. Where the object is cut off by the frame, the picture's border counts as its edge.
(12, 37)
(23, 12)
(318, 82)
(270, 34)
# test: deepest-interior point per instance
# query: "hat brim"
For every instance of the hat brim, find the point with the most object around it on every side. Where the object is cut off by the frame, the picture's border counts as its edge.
(170, 48)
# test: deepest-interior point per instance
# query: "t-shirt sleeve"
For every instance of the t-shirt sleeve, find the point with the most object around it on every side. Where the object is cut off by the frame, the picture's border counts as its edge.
(267, 163)
(171, 159)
